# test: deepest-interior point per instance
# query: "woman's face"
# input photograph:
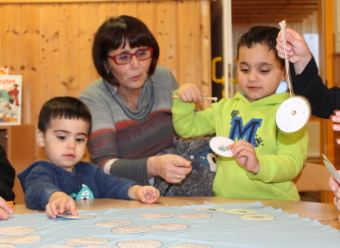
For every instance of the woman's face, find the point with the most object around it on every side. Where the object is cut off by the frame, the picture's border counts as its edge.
(131, 76)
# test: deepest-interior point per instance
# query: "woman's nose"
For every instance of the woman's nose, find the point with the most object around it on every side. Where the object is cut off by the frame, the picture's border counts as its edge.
(134, 61)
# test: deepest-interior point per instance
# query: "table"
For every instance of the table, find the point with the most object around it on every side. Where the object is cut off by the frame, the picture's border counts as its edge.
(327, 214)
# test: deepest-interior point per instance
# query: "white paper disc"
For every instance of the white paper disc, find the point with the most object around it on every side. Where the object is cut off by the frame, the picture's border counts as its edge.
(219, 145)
(293, 114)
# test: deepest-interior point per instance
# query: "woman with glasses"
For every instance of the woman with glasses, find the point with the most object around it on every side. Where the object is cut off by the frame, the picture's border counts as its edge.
(131, 105)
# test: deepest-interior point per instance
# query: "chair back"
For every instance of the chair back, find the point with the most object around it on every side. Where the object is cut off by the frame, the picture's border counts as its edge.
(313, 177)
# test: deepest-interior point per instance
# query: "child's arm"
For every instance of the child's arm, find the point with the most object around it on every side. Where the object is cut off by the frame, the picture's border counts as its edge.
(5, 209)
(245, 154)
(146, 194)
(58, 203)
(296, 49)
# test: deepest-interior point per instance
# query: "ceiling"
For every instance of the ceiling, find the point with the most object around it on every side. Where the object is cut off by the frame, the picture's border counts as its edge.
(249, 12)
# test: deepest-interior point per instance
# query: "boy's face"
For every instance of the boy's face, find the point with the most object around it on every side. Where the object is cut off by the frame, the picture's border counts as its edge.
(259, 71)
(64, 142)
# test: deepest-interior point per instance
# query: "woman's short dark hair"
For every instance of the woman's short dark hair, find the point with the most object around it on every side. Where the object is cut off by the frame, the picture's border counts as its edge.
(265, 35)
(118, 31)
(63, 107)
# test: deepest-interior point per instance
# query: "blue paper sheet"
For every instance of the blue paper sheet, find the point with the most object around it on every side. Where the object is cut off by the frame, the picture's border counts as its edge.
(220, 230)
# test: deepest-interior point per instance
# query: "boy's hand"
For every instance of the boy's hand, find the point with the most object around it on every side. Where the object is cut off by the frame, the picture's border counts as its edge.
(244, 153)
(336, 122)
(58, 203)
(335, 187)
(191, 93)
(146, 194)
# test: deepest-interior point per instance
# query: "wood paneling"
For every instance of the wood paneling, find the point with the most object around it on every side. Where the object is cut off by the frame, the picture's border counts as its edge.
(49, 44)
(249, 12)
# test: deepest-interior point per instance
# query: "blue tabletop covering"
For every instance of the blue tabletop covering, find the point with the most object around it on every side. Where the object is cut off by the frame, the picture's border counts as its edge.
(219, 230)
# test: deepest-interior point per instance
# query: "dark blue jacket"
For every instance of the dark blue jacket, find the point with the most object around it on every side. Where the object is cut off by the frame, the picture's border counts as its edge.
(41, 179)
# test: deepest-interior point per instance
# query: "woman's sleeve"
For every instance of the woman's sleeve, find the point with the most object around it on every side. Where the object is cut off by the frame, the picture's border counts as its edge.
(309, 84)
(132, 169)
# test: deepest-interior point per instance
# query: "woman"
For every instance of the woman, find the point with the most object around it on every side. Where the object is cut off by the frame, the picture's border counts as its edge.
(131, 105)
(325, 102)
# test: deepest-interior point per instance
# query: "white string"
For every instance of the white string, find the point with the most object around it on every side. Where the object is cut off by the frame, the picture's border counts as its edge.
(218, 117)
(283, 29)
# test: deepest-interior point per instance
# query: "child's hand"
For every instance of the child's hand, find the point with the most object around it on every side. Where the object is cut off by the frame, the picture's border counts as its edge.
(146, 194)
(58, 203)
(336, 122)
(335, 187)
(191, 93)
(244, 153)
(5, 209)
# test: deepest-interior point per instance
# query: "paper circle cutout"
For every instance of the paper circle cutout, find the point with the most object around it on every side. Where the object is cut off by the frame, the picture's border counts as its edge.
(257, 217)
(139, 243)
(210, 210)
(157, 215)
(240, 211)
(77, 217)
(87, 241)
(20, 239)
(6, 246)
(219, 145)
(113, 223)
(189, 246)
(131, 229)
(194, 216)
(16, 230)
(169, 227)
(293, 114)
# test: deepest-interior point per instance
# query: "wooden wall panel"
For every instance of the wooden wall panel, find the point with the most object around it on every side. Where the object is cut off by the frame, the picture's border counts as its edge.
(49, 44)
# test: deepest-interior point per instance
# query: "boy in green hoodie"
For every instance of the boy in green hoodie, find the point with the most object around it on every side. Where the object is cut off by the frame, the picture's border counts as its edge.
(264, 159)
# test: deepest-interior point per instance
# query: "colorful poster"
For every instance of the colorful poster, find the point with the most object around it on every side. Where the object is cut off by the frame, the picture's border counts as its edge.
(10, 99)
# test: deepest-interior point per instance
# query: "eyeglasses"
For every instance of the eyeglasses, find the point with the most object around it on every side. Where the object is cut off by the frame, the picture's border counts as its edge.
(125, 58)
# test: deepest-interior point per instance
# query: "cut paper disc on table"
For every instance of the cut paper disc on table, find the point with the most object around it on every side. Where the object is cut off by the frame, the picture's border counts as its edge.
(240, 211)
(139, 243)
(257, 217)
(331, 168)
(189, 246)
(210, 210)
(169, 227)
(157, 215)
(194, 216)
(77, 217)
(293, 114)
(219, 145)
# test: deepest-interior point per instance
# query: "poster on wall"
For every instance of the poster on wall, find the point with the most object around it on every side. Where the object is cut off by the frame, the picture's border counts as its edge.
(10, 99)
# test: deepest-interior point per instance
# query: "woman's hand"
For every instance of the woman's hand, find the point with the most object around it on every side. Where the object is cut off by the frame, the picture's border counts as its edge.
(296, 49)
(171, 168)
(245, 154)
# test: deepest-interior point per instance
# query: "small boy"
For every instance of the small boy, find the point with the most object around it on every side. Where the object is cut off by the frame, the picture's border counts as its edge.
(264, 159)
(63, 128)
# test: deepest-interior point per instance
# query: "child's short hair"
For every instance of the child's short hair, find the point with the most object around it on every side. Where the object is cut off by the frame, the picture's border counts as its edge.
(63, 107)
(265, 35)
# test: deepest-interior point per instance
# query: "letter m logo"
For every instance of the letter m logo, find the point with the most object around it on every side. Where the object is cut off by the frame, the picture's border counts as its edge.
(247, 132)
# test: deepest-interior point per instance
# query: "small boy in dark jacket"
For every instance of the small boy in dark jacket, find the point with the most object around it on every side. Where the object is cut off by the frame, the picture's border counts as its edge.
(63, 128)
